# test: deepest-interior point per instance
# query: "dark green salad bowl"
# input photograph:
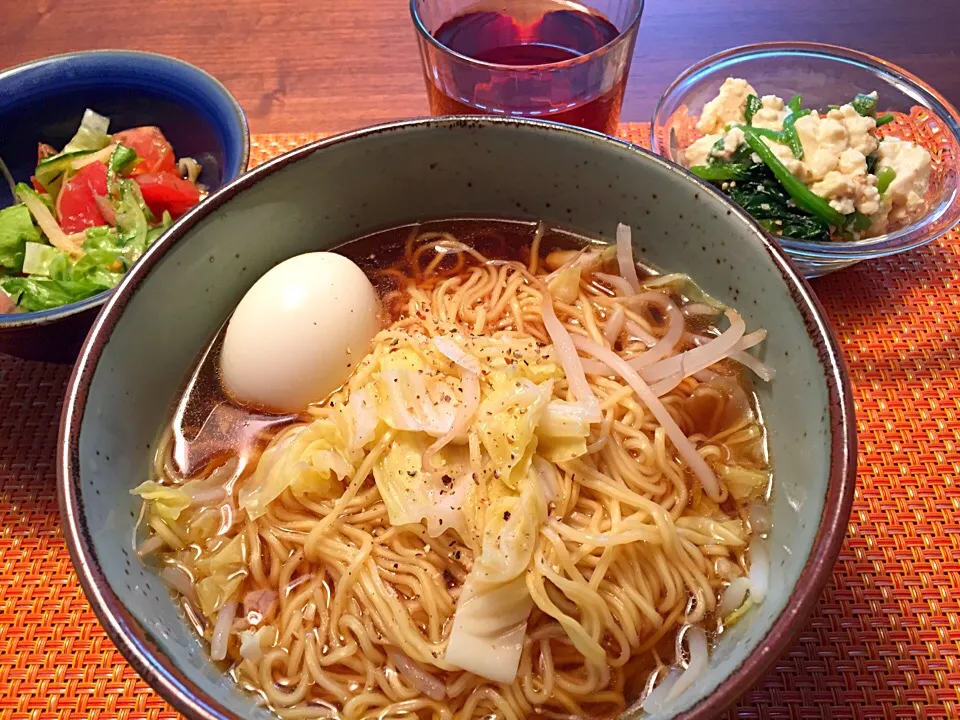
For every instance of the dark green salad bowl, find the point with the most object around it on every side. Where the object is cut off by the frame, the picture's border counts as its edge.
(43, 102)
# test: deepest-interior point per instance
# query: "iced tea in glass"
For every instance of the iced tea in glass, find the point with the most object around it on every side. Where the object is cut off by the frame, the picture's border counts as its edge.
(547, 59)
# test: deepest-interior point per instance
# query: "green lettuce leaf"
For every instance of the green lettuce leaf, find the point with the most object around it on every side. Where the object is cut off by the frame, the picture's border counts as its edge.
(35, 292)
(64, 281)
(42, 259)
(16, 230)
(153, 234)
(133, 217)
(90, 137)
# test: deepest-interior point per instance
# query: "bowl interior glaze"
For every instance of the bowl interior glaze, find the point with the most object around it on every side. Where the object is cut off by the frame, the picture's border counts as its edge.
(174, 301)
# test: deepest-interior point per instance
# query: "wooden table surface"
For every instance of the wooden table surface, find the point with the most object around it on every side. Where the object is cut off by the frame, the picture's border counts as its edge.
(332, 65)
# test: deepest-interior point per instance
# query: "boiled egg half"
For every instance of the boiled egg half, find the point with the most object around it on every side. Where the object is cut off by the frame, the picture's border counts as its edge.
(299, 332)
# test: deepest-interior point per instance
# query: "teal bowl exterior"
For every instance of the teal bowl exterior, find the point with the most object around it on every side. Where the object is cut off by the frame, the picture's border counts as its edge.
(171, 304)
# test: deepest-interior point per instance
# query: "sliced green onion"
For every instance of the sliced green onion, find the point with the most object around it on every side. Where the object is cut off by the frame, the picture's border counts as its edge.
(884, 119)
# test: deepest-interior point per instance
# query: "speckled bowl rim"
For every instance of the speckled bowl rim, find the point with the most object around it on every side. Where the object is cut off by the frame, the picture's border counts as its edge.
(180, 691)
(38, 318)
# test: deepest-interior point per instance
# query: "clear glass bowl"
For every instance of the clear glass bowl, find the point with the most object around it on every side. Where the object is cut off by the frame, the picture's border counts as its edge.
(829, 75)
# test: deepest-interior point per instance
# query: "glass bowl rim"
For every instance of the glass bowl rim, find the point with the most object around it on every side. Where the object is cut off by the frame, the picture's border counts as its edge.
(906, 238)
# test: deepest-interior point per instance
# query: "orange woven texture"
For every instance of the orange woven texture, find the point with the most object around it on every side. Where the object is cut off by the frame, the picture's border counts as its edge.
(884, 641)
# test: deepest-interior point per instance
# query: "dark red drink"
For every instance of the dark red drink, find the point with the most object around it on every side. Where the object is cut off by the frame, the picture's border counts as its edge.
(544, 66)
(558, 35)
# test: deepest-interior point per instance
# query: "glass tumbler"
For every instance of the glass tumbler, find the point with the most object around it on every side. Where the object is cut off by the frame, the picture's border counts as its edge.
(546, 59)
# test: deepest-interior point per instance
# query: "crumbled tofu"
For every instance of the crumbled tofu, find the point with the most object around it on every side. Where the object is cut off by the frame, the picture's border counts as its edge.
(880, 220)
(727, 107)
(772, 114)
(823, 140)
(911, 163)
(731, 141)
(699, 152)
(850, 188)
(703, 149)
(861, 131)
(784, 154)
(836, 146)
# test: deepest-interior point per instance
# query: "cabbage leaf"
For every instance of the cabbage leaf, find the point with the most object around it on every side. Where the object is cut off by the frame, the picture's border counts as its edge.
(489, 627)
(167, 502)
(563, 431)
(507, 421)
(310, 460)
(443, 499)
(490, 621)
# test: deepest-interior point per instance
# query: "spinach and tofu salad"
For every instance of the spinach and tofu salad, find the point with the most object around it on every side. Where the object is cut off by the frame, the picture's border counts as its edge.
(808, 174)
(89, 212)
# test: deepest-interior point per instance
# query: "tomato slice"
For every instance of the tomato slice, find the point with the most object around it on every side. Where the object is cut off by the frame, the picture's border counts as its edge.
(167, 191)
(77, 207)
(155, 153)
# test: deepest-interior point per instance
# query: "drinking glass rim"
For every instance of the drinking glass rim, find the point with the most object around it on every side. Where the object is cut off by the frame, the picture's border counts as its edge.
(560, 64)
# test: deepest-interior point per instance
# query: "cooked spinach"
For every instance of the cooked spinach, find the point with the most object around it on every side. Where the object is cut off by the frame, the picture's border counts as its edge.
(864, 104)
(765, 199)
(790, 133)
(757, 190)
(754, 105)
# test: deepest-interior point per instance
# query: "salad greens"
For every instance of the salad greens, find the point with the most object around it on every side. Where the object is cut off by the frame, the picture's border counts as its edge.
(90, 212)
(758, 192)
(16, 230)
(803, 196)
(790, 136)
(53, 278)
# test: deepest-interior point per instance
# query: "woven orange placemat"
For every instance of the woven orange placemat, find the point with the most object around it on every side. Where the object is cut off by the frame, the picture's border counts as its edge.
(884, 641)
